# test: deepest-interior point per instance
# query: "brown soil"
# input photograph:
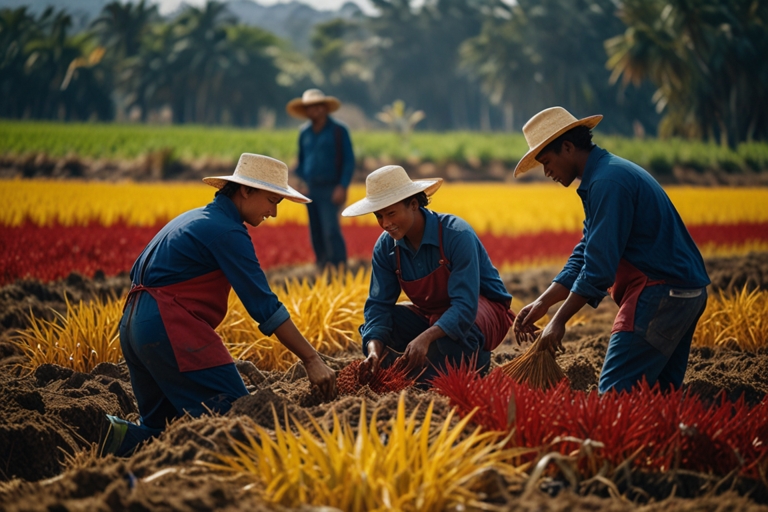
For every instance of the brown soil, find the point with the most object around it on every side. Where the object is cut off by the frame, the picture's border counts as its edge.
(50, 419)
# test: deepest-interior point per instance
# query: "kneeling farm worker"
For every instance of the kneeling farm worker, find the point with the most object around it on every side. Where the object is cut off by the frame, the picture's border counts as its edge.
(179, 291)
(459, 306)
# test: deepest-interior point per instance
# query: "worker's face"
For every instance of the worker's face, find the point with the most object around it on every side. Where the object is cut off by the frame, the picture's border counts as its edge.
(316, 112)
(561, 167)
(398, 219)
(258, 205)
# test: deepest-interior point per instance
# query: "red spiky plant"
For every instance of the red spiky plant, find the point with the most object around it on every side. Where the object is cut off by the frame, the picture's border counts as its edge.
(654, 430)
(386, 380)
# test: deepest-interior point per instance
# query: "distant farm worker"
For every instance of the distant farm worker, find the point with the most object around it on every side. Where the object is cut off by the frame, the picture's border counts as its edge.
(634, 245)
(326, 163)
(179, 289)
(459, 306)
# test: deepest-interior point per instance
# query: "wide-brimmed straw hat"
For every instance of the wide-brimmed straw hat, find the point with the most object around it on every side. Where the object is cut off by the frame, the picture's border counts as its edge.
(296, 106)
(262, 172)
(386, 186)
(545, 127)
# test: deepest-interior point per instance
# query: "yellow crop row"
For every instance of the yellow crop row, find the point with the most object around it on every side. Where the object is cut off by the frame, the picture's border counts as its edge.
(500, 209)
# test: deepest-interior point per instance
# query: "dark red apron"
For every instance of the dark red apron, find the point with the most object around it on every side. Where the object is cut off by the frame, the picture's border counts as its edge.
(190, 311)
(630, 282)
(430, 298)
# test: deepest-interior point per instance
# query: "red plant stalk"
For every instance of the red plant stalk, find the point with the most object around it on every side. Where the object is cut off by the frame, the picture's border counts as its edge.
(386, 380)
(663, 430)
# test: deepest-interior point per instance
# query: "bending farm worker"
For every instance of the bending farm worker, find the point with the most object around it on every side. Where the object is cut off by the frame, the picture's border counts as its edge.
(634, 246)
(326, 164)
(459, 306)
(179, 289)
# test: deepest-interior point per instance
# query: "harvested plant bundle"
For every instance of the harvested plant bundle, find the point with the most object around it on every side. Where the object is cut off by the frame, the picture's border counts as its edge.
(386, 380)
(85, 335)
(327, 312)
(407, 465)
(536, 367)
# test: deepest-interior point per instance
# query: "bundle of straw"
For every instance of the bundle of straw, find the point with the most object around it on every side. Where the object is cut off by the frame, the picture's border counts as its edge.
(535, 367)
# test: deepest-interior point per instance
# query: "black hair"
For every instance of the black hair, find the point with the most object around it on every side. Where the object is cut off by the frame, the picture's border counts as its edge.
(421, 197)
(230, 189)
(580, 137)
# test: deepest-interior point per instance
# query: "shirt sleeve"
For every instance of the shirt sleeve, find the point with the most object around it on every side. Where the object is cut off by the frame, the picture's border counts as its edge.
(612, 212)
(575, 263)
(300, 170)
(235, 255)
(463, 283)
(382, 297)
(348, 159)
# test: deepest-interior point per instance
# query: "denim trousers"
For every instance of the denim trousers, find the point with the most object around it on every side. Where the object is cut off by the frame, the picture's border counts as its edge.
(658, 349)
(162, 392)
(324, 227)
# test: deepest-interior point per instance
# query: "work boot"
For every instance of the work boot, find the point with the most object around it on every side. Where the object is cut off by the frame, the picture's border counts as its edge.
(117, 430)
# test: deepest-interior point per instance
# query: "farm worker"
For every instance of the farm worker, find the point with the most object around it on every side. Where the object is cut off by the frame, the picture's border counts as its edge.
(326, 163)
(179, 289)
(634, 246)
(459, 307)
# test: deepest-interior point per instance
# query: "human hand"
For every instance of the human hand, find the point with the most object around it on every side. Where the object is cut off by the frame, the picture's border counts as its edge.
(339, 196)
(415, 354)
(552, 338)
(370, 364)
(321, 377)
(524, 327)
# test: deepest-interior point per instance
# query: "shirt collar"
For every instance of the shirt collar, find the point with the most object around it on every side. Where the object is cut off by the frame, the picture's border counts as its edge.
(226, 205)
(594, 155)
(430, 231)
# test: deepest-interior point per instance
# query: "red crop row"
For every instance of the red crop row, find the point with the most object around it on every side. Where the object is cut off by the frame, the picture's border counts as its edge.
(656, 431)
(52, 252)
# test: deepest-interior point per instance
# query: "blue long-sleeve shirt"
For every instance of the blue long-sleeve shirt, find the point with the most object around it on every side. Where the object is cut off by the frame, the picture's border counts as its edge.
(472, 275)
(207, 239)
(628, 215)
(318, 155)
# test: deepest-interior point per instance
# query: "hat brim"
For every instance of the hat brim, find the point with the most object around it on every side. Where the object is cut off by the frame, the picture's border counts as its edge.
(529, 162)
(289, 193)
(367, 205)
(296, 106)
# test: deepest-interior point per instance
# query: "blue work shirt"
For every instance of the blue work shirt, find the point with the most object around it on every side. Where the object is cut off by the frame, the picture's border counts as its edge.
(472, 275)
(319, 158)
(207, 239)
(628, 215)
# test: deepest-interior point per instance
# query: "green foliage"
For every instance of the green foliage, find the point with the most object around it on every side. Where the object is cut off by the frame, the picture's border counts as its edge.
(192, 142)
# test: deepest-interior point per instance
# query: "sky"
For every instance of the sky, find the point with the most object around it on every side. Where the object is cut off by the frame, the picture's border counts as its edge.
(167, 6)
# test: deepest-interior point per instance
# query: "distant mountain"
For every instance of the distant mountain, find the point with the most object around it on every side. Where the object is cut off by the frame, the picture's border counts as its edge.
(291, 21)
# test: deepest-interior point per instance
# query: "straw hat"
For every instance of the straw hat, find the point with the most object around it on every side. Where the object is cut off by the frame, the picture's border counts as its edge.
(262, 172)
(386, 186)
(545, 127)
(296, 106)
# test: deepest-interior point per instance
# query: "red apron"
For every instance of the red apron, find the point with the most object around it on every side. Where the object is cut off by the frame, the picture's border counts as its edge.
(430, 298)
(190, 311)
(630, 282)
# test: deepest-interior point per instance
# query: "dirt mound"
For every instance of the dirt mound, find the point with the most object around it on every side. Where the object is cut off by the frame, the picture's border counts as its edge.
(733, 273)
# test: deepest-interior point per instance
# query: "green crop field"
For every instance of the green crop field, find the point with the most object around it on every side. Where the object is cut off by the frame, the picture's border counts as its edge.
(128, 141)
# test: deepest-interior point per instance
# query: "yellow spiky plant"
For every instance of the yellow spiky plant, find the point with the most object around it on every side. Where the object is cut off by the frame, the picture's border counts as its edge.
(407, 466)
(86, 334)
(327, 312)
(739, 317)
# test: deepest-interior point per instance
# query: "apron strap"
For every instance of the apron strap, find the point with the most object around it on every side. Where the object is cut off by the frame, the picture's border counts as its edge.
(443, 259)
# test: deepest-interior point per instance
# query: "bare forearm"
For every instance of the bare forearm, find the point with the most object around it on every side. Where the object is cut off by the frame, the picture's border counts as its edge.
(554, 294)
(294, 341)
(570, 307)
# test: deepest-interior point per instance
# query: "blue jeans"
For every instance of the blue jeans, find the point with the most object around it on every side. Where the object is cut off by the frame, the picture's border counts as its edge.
(324, 227)
(162, 392)
(658, 349)
(407, 325)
